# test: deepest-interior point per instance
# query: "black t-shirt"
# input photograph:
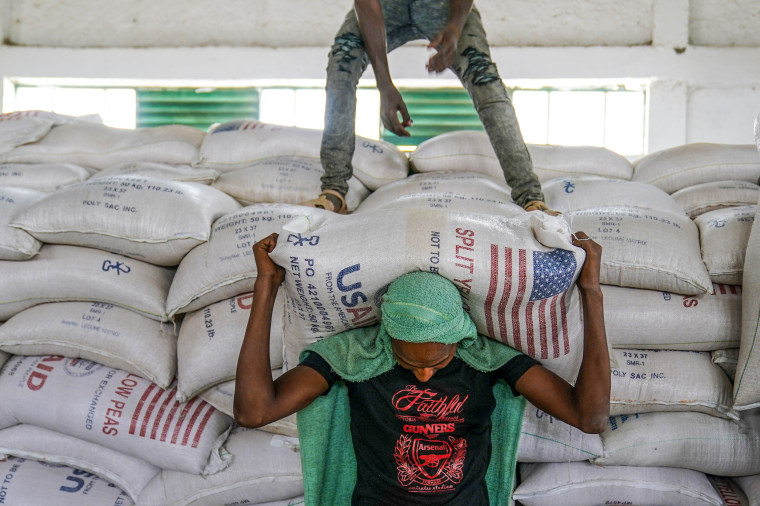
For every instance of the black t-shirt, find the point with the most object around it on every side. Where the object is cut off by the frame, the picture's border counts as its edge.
(423, 443)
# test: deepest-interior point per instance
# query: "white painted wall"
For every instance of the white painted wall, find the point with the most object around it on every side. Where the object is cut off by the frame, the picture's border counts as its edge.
(701, 55)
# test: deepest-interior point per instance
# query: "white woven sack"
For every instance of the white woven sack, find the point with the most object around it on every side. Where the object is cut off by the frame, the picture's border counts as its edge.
(184, 173)
(723, 235)
(751, 487)
(114, 409)
(676, 168)
(44, 177)
(646, 248)
(147, 218)
(569, 194)
(472, 151)
(224, 267)
(27, 441)
(264, 468)
(690, 440)
(285, 180)
(100, 146)
(103, 333)
(452, 190)
(222, 397)
(337, 268)
(3, 358)
(747, 380)
(237, 144)
(33, 482)
(581, 484)
(543, 438)
(730, 492)
(650, 319)
(705, 197)
(20, 127)
(72, 273)
(645, 381)
(16, 244)
(726, 360)
(210, 339)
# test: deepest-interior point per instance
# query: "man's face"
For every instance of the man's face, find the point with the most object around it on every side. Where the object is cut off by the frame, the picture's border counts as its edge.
(423, 359)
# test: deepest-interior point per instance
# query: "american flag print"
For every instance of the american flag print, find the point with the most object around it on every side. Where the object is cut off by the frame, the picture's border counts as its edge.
(526, 302)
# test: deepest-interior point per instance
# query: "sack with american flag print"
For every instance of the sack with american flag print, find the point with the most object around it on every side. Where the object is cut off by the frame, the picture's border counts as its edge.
(516, 275)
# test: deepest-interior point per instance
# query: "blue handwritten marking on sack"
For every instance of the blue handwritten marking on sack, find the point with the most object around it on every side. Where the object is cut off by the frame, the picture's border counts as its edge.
(374, 147)
(569, 186)
(299, 240)
(119, 267)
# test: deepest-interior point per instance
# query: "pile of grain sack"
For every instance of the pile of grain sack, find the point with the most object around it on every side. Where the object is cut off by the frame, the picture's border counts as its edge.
(126, 274)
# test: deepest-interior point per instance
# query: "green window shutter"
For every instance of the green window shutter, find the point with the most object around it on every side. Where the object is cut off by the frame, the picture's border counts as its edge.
(434, 112)
(199, 108)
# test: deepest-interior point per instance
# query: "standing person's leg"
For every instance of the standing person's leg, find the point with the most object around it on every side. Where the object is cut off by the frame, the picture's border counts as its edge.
(346, 63)
(479, 76)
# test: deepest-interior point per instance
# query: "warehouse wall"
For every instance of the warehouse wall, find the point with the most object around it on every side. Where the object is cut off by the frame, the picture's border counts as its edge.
(700, 55)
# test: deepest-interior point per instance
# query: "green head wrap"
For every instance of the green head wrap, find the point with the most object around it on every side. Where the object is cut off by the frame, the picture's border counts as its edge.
(423, 307)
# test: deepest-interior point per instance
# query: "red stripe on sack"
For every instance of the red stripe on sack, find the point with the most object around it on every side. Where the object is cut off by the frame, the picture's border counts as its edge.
(138, 408)
(721, 288)
(161, 410)
(181, 419)
(542, 328)
(189, 428)
(494, 281)
(521, 282)
(555, 326)
(202, 426)
(563, 316)
(502, 315)
(169, 419)
(529, 335)
(149, 411)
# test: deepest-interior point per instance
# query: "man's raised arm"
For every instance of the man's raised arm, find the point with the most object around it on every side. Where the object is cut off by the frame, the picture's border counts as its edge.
(587, 404)
(258, 399)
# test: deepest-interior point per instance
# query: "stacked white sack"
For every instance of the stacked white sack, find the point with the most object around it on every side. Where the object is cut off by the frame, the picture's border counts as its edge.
(751, 487)
(104, 333)
(264, 468)
(24, 127)
(284, 180)
(115, 409)
(723, 235)
(650, 319)
(679, 167)
(690, 440)
(646, 381)
(472, 151)
(238, 144)
(184, 173)
(516, 275)
(580, 484)
(35, 482)
(747, 380)
(73, 273)
(146, 218)
(3, 358)
(454, 191)
(29, 442)
(224, 267)
(16, 244)
(701, 198)
(44, 177)
(98, 146)
(726, 360)
(648, 240)
(210, 339)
